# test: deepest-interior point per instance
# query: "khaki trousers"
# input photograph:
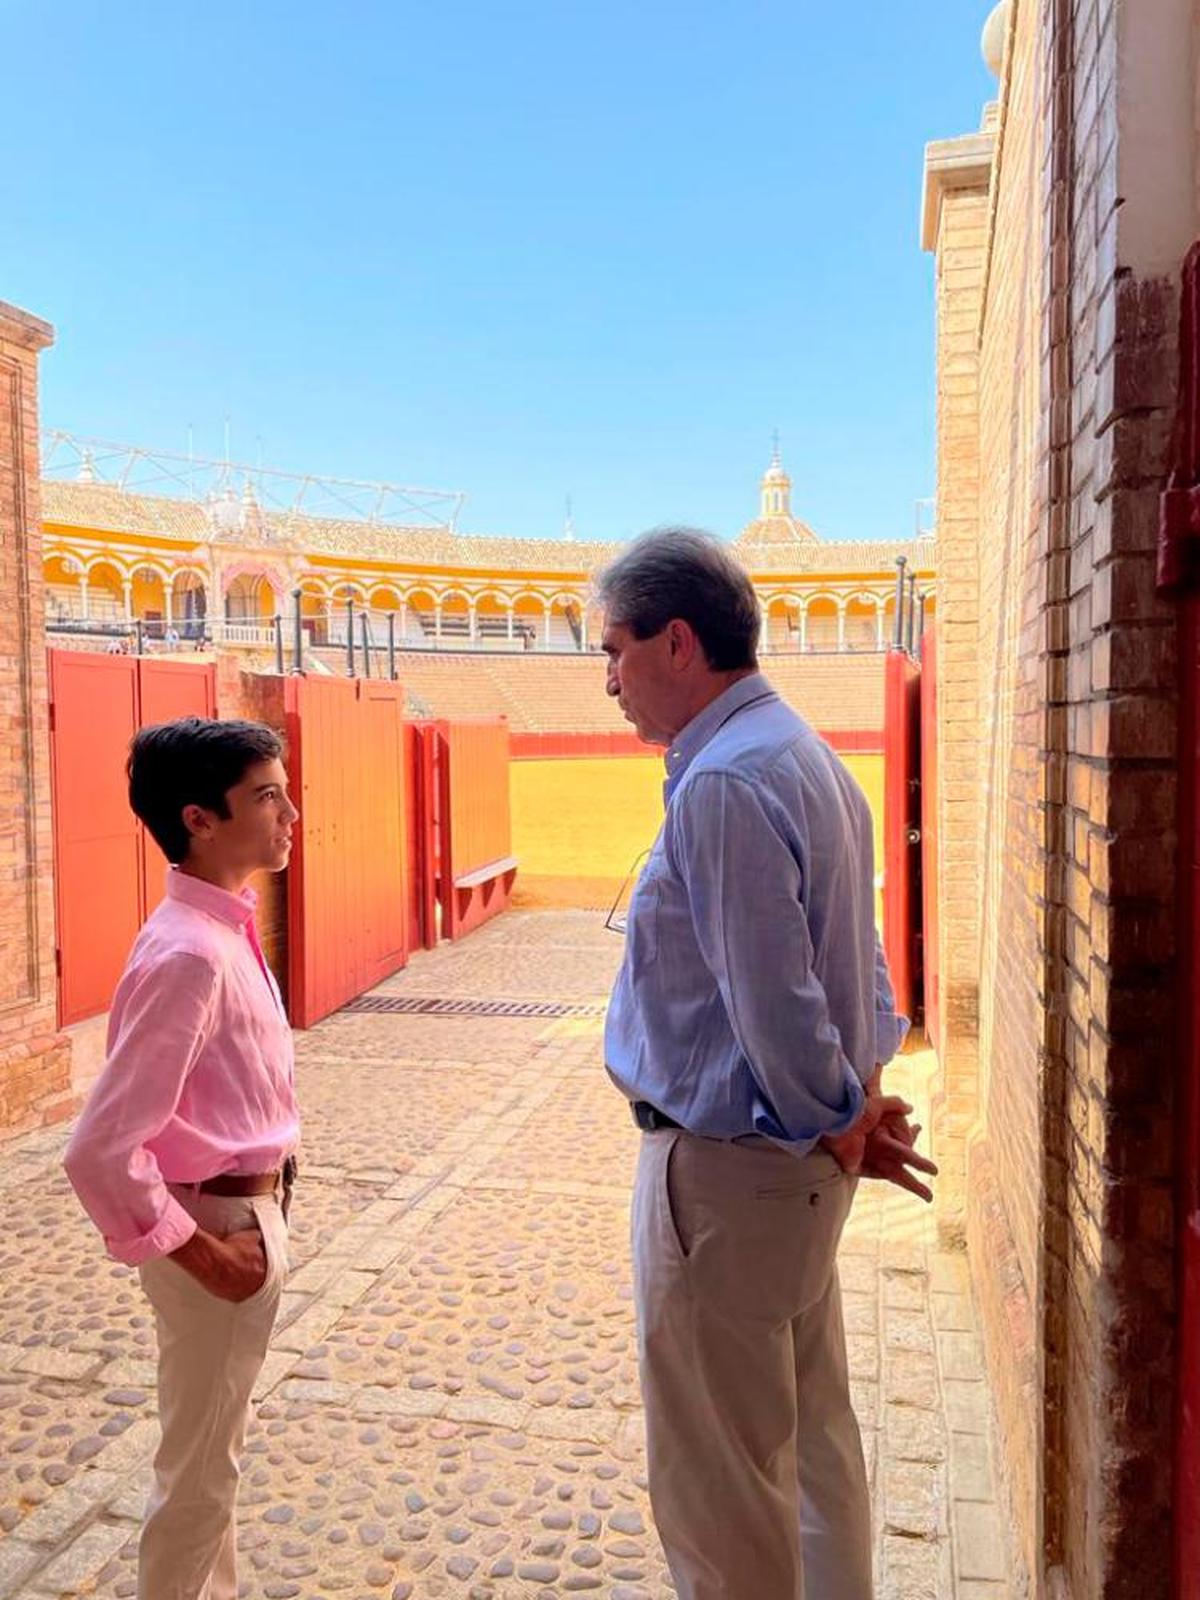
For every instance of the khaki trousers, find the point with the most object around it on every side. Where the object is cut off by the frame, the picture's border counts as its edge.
(210, 1353)
(757, 1478)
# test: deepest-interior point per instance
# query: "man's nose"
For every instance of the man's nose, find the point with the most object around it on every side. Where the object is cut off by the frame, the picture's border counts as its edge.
(612, 683)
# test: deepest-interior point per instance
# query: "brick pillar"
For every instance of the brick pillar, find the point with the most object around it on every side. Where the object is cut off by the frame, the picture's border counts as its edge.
(955, 225)
(34, 1059)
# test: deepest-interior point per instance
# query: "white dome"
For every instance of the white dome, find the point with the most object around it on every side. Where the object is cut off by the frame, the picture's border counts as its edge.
(995, 30)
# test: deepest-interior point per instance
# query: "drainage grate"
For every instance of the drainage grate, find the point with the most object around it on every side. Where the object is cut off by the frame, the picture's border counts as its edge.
(416, 1005)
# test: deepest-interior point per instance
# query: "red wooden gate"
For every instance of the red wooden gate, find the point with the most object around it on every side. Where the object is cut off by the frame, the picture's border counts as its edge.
(108, 872)
(1179, 575)
(476, 867)
(902, 827)
(930, 941)
(347, 896)
(421, 803)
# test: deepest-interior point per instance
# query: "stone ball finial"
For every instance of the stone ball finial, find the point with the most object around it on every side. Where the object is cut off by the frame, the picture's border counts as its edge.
(995, 31)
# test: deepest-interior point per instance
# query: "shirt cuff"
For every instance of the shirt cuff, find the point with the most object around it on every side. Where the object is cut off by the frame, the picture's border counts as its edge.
(770, 1126)
(891, 1030)
(857, 1096)
(174, 1228)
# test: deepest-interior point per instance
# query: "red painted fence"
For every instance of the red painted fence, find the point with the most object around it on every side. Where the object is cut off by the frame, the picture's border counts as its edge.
(404, 834)
(476, 867)
(930, 933)
(108, 872)
(902, 828)
(346, 882)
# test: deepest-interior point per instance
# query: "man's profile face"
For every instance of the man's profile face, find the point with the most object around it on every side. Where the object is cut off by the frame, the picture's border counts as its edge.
(257, 834)
(640, 680)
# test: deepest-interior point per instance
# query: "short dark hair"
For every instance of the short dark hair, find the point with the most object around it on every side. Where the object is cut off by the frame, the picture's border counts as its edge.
(689, 574)
(191, 762)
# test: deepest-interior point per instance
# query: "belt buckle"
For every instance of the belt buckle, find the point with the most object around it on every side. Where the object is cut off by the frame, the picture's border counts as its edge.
(648, 1118)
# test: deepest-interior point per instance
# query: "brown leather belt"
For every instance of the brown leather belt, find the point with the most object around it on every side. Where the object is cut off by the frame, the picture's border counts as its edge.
(240, 1184)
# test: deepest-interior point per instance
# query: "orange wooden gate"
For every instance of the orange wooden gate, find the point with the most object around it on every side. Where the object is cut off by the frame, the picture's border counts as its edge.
(902, 827)
(930, 937)
(476, 866)
(421, 750)
(108, 872)
(347, 894)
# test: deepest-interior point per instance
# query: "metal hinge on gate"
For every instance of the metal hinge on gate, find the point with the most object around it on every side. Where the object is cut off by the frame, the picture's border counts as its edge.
(58, 960)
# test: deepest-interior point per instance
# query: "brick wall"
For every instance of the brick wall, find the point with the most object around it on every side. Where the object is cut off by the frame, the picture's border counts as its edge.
(1109, 928)
(957, 174)
(1061, 836)
(34, 1066)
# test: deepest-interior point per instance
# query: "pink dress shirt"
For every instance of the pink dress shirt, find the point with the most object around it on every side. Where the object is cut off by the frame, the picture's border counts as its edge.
(199, 1076)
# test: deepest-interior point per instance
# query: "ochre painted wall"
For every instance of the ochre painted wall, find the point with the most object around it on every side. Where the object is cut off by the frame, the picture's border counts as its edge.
(578, 826)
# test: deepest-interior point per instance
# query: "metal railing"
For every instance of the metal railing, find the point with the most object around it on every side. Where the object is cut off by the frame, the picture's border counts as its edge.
(910, 612)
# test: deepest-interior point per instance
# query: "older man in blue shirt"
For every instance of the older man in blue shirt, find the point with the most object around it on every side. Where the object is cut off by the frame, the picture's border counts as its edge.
(748, 1026)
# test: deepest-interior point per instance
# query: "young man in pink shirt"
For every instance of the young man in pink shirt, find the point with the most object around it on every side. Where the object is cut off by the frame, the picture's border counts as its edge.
(183, 1155)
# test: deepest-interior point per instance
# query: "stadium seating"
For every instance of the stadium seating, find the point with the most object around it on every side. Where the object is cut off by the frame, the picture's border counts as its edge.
(565, 693)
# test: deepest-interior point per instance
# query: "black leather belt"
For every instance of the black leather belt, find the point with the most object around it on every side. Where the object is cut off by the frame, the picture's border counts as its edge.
(649, 1119)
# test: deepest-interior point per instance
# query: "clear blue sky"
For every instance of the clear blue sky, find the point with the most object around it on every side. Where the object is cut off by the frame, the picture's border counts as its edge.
(516, 249)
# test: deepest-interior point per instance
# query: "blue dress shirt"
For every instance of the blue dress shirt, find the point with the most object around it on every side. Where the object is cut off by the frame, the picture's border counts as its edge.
(754, 996)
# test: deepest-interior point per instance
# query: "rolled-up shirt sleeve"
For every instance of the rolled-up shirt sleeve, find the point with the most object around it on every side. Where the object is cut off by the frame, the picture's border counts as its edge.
(164, 1019)
(891, 1026)
(745, 894)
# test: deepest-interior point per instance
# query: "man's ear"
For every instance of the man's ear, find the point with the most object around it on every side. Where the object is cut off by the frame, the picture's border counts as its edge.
(681, 642)
(197, 821)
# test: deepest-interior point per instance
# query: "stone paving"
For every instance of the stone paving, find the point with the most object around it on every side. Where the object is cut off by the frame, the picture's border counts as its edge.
(450, 1405)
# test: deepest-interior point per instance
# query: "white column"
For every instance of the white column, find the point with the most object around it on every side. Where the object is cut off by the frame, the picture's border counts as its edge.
(764, 632)
(803, 626)
(841, 628)
(167, 615)
(472, 624)
(509, 621)
(403, 620)
(437, 623)
(128, 587)
(83, 595)
(546, 628)
(583, 639)
(880, 623)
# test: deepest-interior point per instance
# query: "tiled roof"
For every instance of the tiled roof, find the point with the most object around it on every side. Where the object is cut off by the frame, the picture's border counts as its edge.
(106, 508)
(773, 531)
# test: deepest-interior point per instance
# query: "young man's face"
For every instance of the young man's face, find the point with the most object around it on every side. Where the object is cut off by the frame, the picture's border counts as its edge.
(257, 834)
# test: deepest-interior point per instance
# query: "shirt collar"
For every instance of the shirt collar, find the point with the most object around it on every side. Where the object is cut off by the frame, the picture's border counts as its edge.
(691, 740)
(234, 909)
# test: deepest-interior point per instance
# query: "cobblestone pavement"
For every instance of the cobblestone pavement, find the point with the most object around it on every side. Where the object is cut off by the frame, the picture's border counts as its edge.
(450, 1406)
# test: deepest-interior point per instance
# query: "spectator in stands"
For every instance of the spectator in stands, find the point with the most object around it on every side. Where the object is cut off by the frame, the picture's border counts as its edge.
(171, 637)
(183, 1154)
(115, 647)
(747, 1028)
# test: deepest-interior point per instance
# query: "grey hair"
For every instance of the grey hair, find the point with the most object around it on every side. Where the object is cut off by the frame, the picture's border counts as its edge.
(687, 574)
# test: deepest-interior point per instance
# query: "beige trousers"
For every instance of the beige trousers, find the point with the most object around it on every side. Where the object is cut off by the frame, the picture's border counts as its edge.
(757, 1478)
(210, 1353)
